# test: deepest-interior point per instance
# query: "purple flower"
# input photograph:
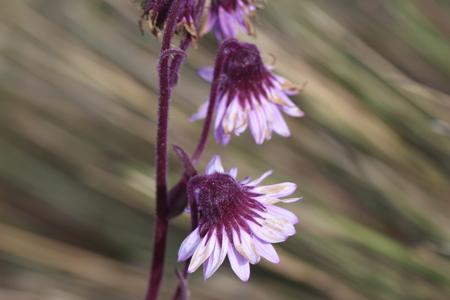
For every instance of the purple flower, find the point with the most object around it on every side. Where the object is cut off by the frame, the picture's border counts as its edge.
(235, 218)
(226, 16)
(250, 95)
(157, 11)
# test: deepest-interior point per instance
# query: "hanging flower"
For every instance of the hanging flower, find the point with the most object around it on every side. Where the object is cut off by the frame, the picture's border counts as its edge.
(225, 17)
(237, 219)
(157, 11)
(250, 95)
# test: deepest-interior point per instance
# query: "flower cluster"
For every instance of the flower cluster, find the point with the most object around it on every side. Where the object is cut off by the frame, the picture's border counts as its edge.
(231, 217)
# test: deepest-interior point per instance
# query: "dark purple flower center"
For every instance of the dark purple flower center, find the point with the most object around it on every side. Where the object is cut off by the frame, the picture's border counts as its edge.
(223, 203)
(246, 74)
(244, 63)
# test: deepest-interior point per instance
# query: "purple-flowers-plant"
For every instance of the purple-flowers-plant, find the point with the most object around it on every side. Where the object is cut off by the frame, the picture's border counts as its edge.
(230, 217)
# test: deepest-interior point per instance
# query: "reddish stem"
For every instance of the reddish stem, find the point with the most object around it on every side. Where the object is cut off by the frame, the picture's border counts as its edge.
(161, 221)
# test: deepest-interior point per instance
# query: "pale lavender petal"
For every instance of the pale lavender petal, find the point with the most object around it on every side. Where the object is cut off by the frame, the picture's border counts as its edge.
(260, 179)
(217, 257)
(264, 123)
(202, 252)
(290, 107)
(206, 73)
(201, 113)
(266, 250)
(189, 245)
(269, 232)
(255, 127)
(273, 200)
(241, 122)
(276, 190)
(227, 23)
(233, 172)
(220, 111)
(244, 245)
(214, 166)
(239, 264)
(230, 117)
(291, 200)
(279, 124)
(280, 212)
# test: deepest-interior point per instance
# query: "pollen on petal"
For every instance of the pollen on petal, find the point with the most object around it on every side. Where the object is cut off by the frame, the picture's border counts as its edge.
(217, 257)
(276, 190)
(202, 253)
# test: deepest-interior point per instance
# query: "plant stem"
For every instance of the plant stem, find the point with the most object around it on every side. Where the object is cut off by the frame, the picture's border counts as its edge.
(161, 221)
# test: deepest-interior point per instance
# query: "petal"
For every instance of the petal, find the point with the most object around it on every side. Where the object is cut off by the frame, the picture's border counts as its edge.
(245, 246)
(227, 23)
(202, 252)
(272, 200)
(233, 172)
(266, 250)
(189, 245)
(214, 166)
(289, 107)
(206, 73)
(220, 110)
(264, 121)
(221, 137)
(201, 113)
(217, 257)
(239, 264)
(276, 190)
(261, 178)
(279, 124)
(291, 200)
(241, 122)
(230, 117)
(256, 127)
(272, 231)
(280, 212)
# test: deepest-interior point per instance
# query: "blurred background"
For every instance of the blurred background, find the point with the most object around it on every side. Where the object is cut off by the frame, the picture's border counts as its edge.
(78, 92)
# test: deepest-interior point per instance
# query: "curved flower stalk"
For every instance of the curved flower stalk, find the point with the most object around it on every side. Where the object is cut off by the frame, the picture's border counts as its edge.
(226, 17)
(251, 95)
(156, 12)
(236, 218)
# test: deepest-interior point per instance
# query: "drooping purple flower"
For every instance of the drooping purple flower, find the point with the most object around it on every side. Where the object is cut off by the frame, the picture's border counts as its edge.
(250, 95)
(155, 12)
(225, 17)
(237, 219)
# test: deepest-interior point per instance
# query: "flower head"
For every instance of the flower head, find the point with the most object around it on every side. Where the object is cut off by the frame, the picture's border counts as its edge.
(235, 218)
(226, 16)
(250, 95)
(157, 11)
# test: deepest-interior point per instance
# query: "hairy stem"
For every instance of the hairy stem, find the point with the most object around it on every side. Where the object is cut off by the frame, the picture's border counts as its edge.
(161, 221)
